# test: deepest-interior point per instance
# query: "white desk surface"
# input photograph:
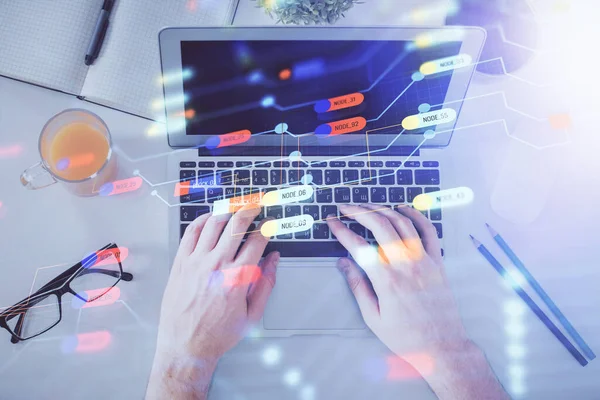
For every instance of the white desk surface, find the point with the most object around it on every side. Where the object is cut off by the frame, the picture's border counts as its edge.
(48, 227)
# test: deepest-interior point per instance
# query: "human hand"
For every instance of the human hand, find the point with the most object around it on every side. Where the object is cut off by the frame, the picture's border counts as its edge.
(406, 301)
(212, 296)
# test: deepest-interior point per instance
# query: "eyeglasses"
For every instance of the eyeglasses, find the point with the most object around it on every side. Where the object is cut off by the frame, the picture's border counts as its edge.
(89, 280)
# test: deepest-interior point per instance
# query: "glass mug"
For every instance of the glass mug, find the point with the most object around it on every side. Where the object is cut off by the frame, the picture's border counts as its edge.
(76, 149)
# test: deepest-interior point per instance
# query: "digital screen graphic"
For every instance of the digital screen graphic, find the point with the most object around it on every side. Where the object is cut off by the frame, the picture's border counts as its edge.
(238, 90)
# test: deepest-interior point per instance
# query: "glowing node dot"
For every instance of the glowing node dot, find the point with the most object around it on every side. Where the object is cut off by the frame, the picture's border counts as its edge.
(424, 107)
(306, 179)
(295, 156)
(153, 193)
(271, 356)
(267, 101)
(292, 377)
(281, 128)
(285, 74)
(307, 393)
(417, 76)
(255, 77)
(136, 172)
(429, 134)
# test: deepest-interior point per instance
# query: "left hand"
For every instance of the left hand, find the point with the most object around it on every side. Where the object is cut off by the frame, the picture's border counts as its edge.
(213, 294)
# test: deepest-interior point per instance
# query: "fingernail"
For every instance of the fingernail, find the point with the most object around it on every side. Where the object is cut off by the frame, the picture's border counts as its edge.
(342, 265)
(276, 258)
(331, 216)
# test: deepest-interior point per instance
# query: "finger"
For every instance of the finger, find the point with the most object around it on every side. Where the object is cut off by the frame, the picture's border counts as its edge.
(234, 232)
(255, 245)
(261, 290)
(426, 230)
(381, 227)
(211, 233)
(191, 235)
(363, 291)
(403, 225)
(358, 248)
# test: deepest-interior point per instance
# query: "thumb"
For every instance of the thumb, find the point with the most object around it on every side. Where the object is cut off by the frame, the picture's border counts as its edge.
(361, 288)
(261, 290)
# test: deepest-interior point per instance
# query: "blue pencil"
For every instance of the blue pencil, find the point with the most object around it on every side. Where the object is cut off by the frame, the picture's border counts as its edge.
(525, 297)
(542, 293)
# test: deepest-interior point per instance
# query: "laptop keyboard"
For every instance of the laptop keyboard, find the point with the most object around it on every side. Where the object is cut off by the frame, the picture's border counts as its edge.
(388, 183)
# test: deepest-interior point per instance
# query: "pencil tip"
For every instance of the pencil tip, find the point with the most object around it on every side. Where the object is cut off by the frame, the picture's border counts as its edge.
(471, 236)
(488, 225)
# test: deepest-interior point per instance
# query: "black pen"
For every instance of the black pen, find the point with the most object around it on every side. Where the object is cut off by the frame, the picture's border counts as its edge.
(99, 33)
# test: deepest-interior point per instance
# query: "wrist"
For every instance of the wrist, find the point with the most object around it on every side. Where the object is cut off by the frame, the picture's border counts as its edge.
(461, 370)
(180, 376)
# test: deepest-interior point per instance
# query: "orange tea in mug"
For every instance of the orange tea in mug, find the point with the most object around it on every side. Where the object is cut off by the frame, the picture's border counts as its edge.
(75, 147)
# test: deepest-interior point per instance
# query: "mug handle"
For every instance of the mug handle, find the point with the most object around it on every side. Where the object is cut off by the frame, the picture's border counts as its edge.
(37, 177)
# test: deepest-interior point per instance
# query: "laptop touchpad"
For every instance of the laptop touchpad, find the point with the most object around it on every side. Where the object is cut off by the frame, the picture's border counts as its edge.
(312, 298)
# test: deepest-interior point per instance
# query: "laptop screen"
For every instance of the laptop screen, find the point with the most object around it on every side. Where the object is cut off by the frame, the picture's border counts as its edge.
(315, 94)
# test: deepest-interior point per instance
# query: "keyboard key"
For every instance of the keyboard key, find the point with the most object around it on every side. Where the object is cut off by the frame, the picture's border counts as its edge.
(182, 230)
(404, 177)
(278, 177)
(412, 164)
(427, 177)
(242, 177)
(370, 235)
(393, 164)
(351, 176)
(435, 214)
(206, 164)
(332, 177)
(425, 213)
(206, 177)
(360, 195)
(432, 189)
(313, 211)
(356, 164)
(326, 211)
(285, 237)
(292, 211)
(190, 213)
(224, 177)
(413, 192)
(281, 164)
(386, 177)
(320, 231)
(262, 164)
(187, 175)
(275, 212)
(247, 192)
(337, 164)
(438, 228)
(358, 229)
(368, 176)
(431, 164)
(317, 176)
(307, 249)
(232, 192)
(375, 164)
(295, 175)
(214, 194)
(397, 195)
(241, 164)
(196, 195)
(378, 195)
(260, 177)
(225, 164)
(302, 235)
(324, 195)
(250, 230)
(187, 164)
(299, 164)
(319, 164)
(342, 195)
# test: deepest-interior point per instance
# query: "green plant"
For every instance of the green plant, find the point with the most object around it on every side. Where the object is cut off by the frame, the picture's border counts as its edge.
(307, 11)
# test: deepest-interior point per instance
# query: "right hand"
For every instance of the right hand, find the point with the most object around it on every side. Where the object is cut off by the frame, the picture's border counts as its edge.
(404, 297)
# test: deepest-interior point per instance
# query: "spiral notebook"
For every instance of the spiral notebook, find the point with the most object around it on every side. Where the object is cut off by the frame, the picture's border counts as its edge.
(44, 42)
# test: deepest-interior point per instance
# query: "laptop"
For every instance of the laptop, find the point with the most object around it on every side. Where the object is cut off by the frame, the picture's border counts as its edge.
(352, 115)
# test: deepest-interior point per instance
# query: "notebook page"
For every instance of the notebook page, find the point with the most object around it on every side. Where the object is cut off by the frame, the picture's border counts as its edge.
(127, 71)
(45, 41)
